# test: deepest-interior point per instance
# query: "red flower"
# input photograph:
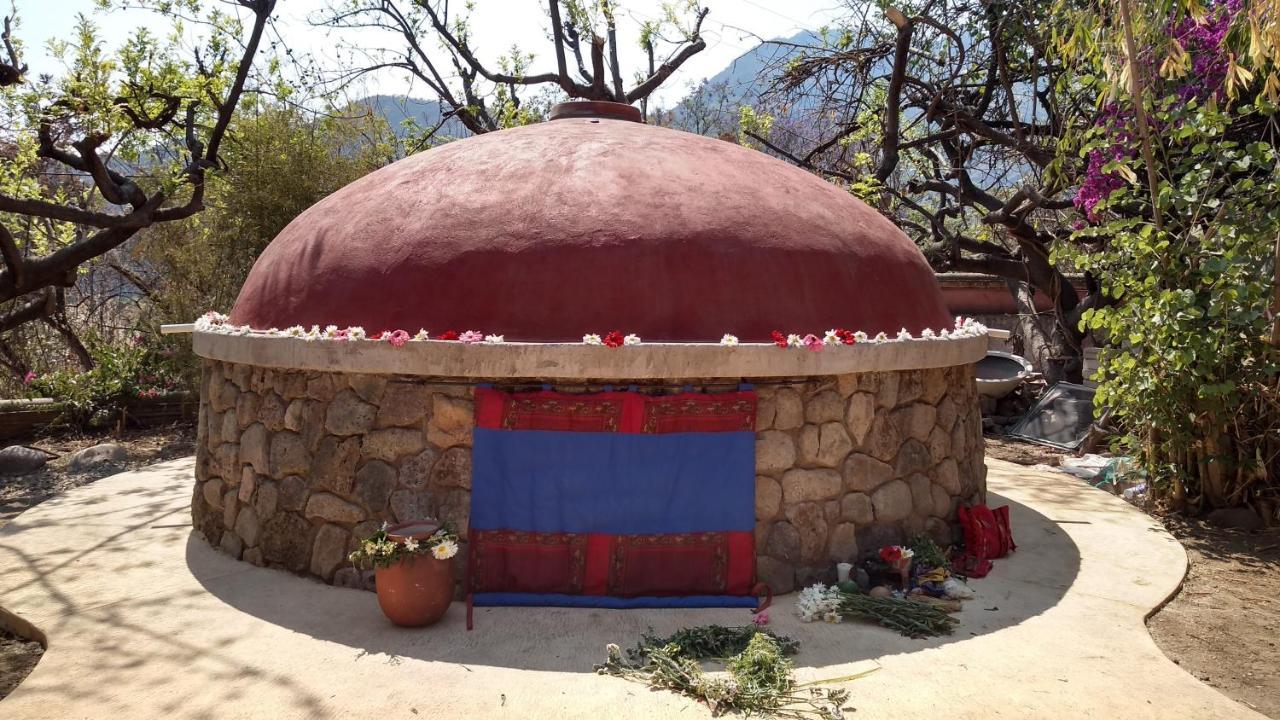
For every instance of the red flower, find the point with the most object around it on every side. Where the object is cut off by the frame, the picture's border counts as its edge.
(449, 335)
(779, 339)
(891, 554)
(613, 339)
(846, 336)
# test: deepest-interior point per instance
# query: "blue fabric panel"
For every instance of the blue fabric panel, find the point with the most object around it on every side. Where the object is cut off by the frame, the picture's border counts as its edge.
(617, 483)
(501, 599)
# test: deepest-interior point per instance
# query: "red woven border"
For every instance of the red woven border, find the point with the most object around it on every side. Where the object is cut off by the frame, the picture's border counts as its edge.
(628, 412)
(506, 560)
(546, 410)
(700, 412)
(716, 563)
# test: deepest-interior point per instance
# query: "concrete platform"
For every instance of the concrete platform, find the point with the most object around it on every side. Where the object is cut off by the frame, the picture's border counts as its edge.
(143, 620)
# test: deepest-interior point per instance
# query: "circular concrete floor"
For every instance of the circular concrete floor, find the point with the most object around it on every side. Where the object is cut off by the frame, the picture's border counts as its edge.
(145, 621)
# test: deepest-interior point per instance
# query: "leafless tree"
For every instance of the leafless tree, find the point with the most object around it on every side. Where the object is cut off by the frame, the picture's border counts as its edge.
(949, 113)
(585, 47)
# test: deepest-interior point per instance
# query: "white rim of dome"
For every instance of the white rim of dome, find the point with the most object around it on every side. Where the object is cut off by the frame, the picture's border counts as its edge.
(651, 360)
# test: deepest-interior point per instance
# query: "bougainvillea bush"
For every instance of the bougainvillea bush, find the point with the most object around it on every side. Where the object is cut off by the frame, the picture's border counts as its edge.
(139, 366)
(1186, 255)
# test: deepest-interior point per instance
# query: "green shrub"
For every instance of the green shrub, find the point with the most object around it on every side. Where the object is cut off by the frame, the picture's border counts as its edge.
(123, 371)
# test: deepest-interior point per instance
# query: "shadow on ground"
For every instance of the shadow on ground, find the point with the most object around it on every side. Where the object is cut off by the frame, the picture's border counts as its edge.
(1025, 585)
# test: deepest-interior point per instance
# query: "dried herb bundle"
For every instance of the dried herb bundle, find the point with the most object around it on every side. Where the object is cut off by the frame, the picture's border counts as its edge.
(709, 642)
(759, 682)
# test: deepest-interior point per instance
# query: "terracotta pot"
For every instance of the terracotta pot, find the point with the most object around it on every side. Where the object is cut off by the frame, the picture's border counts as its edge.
(416, 591)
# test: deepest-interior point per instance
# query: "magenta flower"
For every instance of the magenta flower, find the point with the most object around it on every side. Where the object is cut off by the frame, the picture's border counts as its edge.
(471, 337)
(397, 338)
(29, 377)
(761, 618)
(813, 342)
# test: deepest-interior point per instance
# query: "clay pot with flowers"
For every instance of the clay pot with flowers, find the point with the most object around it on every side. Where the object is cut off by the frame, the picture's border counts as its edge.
(414, 574)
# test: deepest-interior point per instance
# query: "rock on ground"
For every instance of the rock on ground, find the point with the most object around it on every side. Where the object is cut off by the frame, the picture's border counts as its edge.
(97, 455)
(20, 460)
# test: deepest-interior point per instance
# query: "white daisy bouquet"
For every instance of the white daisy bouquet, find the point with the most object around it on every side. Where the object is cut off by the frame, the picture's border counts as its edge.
(819, 603)
(382, 550)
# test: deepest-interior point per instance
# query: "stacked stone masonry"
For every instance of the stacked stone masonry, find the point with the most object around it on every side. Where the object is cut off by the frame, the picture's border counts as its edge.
(293, 466)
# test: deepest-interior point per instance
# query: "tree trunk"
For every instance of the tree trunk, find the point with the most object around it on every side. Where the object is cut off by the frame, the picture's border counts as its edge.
(77, 348)
(1042, 341)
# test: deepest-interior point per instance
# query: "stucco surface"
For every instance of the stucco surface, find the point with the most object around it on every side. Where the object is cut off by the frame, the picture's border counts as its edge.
(144, 620)
(550, 231)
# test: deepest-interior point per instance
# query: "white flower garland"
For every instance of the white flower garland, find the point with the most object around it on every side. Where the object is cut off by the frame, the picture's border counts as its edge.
(213, 322)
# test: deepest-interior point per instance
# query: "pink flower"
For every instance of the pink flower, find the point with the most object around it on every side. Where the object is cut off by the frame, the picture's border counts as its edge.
(471, 337)
(813, 342)
(761, 618)
(29, 377)
(397, 338)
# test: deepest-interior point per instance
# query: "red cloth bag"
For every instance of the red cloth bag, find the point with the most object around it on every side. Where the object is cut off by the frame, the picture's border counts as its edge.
(987, 536)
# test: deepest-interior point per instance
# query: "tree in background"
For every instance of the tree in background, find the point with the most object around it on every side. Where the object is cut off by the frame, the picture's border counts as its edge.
(485, 97)
(947, 117)
(1181, 193)
(281, 160)
(709, 108)
(120, 142)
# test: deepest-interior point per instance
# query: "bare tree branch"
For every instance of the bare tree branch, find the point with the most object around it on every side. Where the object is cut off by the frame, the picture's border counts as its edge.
(696, 45)
(12, 69)
(24, 275)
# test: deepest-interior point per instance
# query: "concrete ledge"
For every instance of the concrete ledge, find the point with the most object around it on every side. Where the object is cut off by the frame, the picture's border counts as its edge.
(573, 360)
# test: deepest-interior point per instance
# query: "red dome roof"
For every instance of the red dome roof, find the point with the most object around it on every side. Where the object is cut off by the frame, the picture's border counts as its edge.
(577, 225)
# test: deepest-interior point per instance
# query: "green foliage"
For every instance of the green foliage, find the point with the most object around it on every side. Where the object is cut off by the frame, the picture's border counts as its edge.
(120, 130)
(911, 619)
(1192, 371)
(752, 121)
(710, 642)
(123, 371)
(927, 552)
(381, 550)
(760, 679)
(280, 161)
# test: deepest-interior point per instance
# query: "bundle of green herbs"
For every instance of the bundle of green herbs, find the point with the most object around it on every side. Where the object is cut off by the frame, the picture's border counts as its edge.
(828, 604)
(760, 679)
(927, 552)
(907, 618)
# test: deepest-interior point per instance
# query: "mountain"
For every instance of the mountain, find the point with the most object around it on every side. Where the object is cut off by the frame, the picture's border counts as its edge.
(751, 72)
(710, 108)
(424, 114)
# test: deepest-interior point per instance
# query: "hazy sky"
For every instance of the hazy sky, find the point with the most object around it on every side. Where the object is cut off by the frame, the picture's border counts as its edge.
(731, 29)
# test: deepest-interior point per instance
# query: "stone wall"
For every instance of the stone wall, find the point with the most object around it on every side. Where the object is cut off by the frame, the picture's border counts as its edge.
(293, 466)
(857, 462)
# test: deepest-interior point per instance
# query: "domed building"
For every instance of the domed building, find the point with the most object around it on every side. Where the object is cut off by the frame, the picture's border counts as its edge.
(768, 356)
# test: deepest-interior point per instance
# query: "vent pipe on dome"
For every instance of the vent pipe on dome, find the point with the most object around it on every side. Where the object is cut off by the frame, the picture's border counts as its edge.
(595, 109)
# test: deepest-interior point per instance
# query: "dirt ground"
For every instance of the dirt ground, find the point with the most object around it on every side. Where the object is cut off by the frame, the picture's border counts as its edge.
(1023, 453)
(18, 657)
(1224, 625)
